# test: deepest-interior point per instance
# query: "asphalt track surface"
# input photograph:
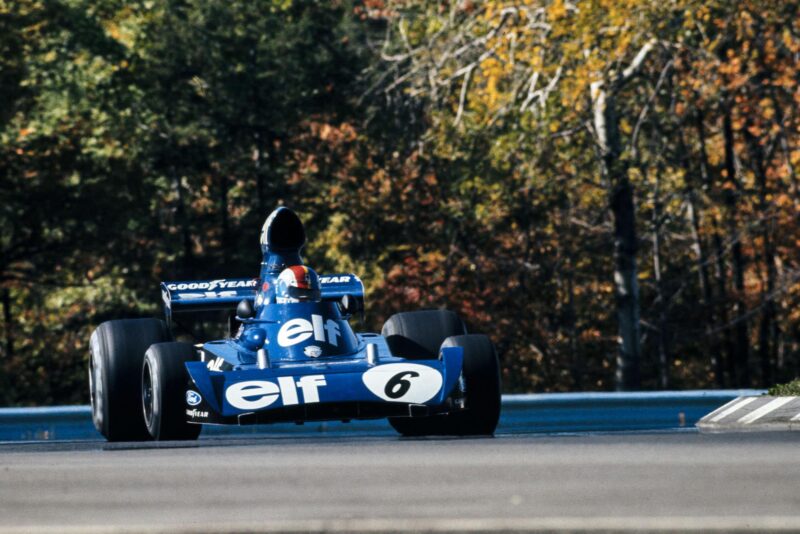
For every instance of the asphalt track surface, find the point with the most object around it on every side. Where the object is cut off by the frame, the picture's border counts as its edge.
(665, 481)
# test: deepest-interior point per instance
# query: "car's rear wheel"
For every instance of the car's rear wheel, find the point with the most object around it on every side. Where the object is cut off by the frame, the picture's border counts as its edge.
(164, 383)
(417, 335)
(115, 364)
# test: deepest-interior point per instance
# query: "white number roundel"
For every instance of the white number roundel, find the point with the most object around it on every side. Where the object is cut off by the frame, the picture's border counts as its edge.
(403, 382)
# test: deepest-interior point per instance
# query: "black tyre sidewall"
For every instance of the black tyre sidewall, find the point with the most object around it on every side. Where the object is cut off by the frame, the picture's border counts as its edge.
(98, 380)
(481, 370)
(164, 363)
(419, 334)
(117, 352)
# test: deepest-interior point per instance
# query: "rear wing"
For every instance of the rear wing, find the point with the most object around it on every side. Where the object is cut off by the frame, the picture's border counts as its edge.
(226, 293)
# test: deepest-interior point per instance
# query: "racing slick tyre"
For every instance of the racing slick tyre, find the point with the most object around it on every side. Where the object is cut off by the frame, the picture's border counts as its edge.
(417, 335)
(164, 382)
(481, 374)
(115, 364)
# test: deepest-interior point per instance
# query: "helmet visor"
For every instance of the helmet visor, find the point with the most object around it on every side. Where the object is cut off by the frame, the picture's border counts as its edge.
(301, 293)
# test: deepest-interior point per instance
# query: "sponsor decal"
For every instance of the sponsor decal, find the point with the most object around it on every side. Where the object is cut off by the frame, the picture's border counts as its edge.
(215, 364)
(403, 382)
(312, 351)
(265, 286)
(265, 228)
(213, 284)
(206, 295)
(193, 398)
(197, 414)
(258, 394)
(298, 330)
(345, 279)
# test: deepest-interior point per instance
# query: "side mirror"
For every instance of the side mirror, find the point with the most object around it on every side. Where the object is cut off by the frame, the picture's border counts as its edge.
(253, 338)
(245, 309)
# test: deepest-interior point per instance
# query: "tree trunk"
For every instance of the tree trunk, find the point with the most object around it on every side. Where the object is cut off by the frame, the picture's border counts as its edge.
(8, 323)
(182, 220)
(742, 344)
(259, 172)
(719, 313)
(578, 367)
(780, 340)
(622, 208)
(661, 301)
(224, 187)
(578, 364)
(694, 218)
(627, 286)
(767, 328)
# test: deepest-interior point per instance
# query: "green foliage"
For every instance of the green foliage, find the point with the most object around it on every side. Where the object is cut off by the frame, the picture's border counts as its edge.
(141, 142)
(790, 389)
(448, 153)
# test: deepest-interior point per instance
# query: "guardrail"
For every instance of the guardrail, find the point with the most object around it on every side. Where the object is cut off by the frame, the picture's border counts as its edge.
(545, 413)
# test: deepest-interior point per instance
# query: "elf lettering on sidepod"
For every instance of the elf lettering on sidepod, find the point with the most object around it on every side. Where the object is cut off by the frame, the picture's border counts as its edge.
(258, 394)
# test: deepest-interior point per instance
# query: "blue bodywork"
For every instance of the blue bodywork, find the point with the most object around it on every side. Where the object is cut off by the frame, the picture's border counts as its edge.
(302, 361)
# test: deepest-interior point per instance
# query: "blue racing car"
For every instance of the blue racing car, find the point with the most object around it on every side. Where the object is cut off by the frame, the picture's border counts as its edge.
(290, 356)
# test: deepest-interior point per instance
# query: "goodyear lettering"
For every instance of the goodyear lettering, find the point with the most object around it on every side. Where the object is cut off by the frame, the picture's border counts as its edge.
(259, 394)
(334, 279)
(195, 413)
(213, 284)
(298, 330)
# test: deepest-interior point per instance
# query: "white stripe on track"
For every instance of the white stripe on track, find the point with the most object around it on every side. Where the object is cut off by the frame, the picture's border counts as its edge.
(732, 408)
(795, 418)
(771, 406)
(721, 524)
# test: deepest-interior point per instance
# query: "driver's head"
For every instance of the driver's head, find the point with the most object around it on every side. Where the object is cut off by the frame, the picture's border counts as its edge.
(298, 283)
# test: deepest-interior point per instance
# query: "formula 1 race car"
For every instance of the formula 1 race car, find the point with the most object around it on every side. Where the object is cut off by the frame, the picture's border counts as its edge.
(290, 356)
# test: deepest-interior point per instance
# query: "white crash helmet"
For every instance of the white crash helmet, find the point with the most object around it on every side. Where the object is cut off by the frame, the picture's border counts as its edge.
(298, 283)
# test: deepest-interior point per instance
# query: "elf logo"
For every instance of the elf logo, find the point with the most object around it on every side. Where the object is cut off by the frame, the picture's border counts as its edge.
(298, 330)
(258, 394)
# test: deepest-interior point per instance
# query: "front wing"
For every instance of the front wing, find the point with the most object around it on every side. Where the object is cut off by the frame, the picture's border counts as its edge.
(323, 391)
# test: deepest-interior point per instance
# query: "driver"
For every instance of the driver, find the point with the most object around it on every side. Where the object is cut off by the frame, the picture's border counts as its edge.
(297, 283)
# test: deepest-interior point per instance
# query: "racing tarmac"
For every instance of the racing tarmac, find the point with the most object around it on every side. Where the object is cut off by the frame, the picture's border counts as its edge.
(657, 481)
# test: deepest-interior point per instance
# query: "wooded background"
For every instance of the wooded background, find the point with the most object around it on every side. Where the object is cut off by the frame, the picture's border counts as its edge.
(607, 188)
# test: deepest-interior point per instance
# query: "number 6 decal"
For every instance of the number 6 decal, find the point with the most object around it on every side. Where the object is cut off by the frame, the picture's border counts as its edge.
(399, 384)
(403, 382)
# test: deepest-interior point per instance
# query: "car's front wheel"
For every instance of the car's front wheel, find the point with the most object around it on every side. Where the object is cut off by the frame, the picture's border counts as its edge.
(116, 353)
(480, 379)
(164, 382)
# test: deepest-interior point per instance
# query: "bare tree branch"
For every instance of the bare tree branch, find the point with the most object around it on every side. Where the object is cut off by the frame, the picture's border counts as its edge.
(463, 96)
